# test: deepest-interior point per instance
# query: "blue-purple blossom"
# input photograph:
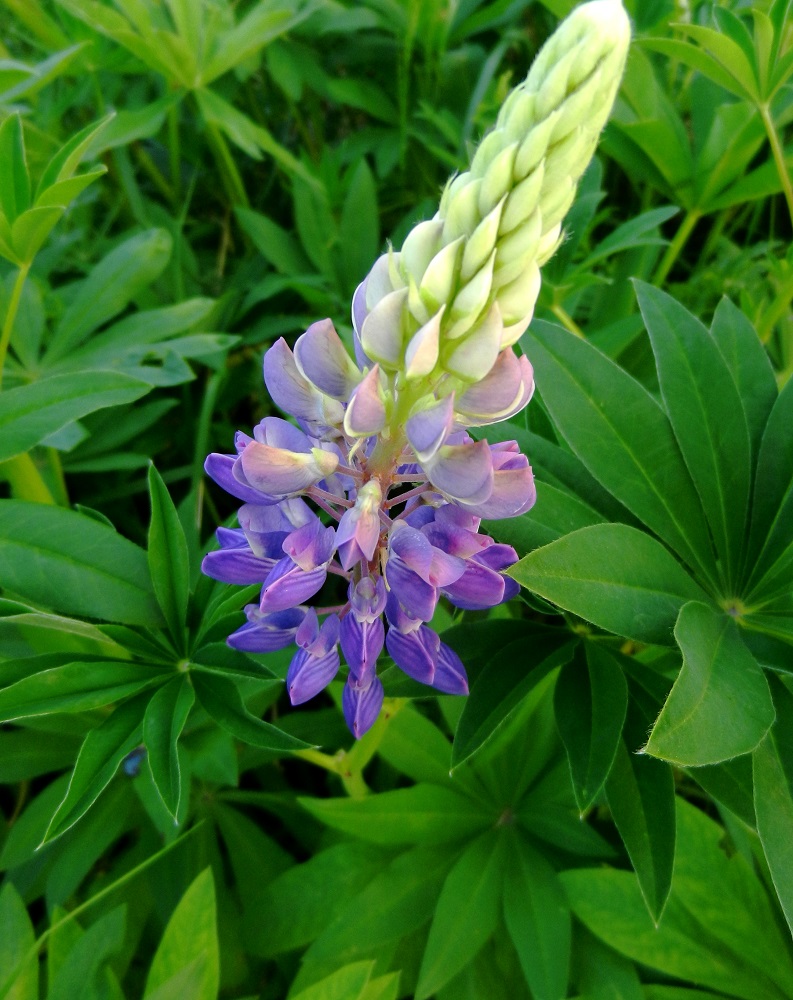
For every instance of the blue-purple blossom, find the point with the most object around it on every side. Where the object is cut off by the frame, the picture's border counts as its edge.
(358, 520)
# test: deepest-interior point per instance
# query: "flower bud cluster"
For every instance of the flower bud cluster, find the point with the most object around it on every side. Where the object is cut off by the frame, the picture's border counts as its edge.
(381, 447)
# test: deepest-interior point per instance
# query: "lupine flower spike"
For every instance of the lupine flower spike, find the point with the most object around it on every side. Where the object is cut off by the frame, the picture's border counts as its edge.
(381, 450)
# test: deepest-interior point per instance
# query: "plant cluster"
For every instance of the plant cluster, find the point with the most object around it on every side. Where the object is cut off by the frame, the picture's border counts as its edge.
(554, 758)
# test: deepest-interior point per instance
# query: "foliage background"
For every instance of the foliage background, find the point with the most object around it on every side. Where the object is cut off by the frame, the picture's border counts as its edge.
(167, 828)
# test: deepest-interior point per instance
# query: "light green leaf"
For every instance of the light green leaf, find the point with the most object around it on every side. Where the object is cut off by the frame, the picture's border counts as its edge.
(63, 193)
(84, 970)
(64, 163)
(467, 913)
(30, 231)
(100, 757)
(190, 942)
(614, 576)
(17, 939)
(590, 702)
(720, 705)
(15, 183)
(538, 921)
(109, 288)
(422, 814)
(163, 723)
(348, 983)
(622, 436)
(31, 413)
(168, 558)
(707, 417)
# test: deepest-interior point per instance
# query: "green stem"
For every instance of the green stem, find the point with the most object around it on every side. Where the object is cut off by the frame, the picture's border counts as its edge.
(776, 310)
(778, 154)
(25, 480)
(11, 315)
(174, 153)
(61, 493)
(37, 945)
(228, 168)
(567, 320)
(685, 229)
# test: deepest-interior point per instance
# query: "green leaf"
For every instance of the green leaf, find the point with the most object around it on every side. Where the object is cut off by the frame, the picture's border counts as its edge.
(555, 513)
(168, 557)
(467, 913)
(720, 705)
(163, 723)
(73, 564)
(276, 245)
(707, 418)
(15, 183)
(415, 747)
(110, 287)
(773, 797)
(422, 814)
(640, 792)
(622, 436)
(67, 159)
(63, 193)
(74, 687)
(223, 702)
(31, 229)
(614, 576)
(590, 702)
(771, 536)
(538, 921)
(17, 982)
(100, 757)
(348, 983)
(749, 366)
(31, 413)
(502, 686)
(359, 232)
(84, 971)
(190, 942)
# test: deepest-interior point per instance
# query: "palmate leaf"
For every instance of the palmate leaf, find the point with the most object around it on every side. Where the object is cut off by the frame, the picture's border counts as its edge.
(168, 558)
(622, 436)
(707, 418)
(720, 705)
(165, 718)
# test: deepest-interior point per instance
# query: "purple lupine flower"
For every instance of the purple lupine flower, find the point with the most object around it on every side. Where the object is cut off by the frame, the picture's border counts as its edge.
(397, 499)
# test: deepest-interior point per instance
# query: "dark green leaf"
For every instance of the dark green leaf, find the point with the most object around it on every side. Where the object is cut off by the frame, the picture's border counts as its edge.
(590, 701)
(163, 723)
(223, 702)
(622, 436)
(720, 705)
(72, 563)
(84, 970)
(359, 233)
(556, 513)
(467, 913)
(168, 558)
(707, 417)
(17, 982)
(614, 576)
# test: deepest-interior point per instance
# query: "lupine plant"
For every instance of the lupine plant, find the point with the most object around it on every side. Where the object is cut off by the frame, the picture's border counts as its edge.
(484, 691)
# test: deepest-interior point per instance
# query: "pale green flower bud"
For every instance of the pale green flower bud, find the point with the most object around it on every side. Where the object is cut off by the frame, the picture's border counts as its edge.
(468, 358)
(421, 354)
(381, 333)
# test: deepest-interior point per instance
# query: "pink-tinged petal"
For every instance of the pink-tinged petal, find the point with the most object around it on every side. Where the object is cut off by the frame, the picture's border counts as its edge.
(450, 675)
(456, 541)
(504, 391)
(514, 491)
(367, 598)
(287, 586)
(421, 354)
(365, 414)
(359, 529)
(381, 333)
(478, 588)
(279, 433)
(323, 359)
(361, 706)
(266, 633)
(416, 653)
(311, 545)
(361, 643)
(280, 472)
(428, 429)
(221, 469)
(463, 471)
(308, 675)
(294, 393)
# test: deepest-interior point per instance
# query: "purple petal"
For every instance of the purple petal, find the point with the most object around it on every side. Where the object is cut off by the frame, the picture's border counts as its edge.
(398, 618)
(279, 433)
(504, 391)
(478, 588)
(361, 643)
(308, 675)
(367, 598)
(220, 468)
(266, 633)
(238, 566)
(514, 491)
(365, 414)
(361, 706)
(287, 585)
(294, 393)
(311, 545)
(428, 429)
(416, 596)
(463, 471)
(450, 675)
(497, 556)
(416, 653)
(410, 547)
(323, 359)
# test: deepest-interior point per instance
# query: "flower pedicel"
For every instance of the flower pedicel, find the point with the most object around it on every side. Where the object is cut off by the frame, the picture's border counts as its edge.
(381, 445)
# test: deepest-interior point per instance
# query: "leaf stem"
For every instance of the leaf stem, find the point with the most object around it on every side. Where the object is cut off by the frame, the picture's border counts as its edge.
(690, 219)
(25, 480)
(778, 154)
(11, 315)
(567, 320)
